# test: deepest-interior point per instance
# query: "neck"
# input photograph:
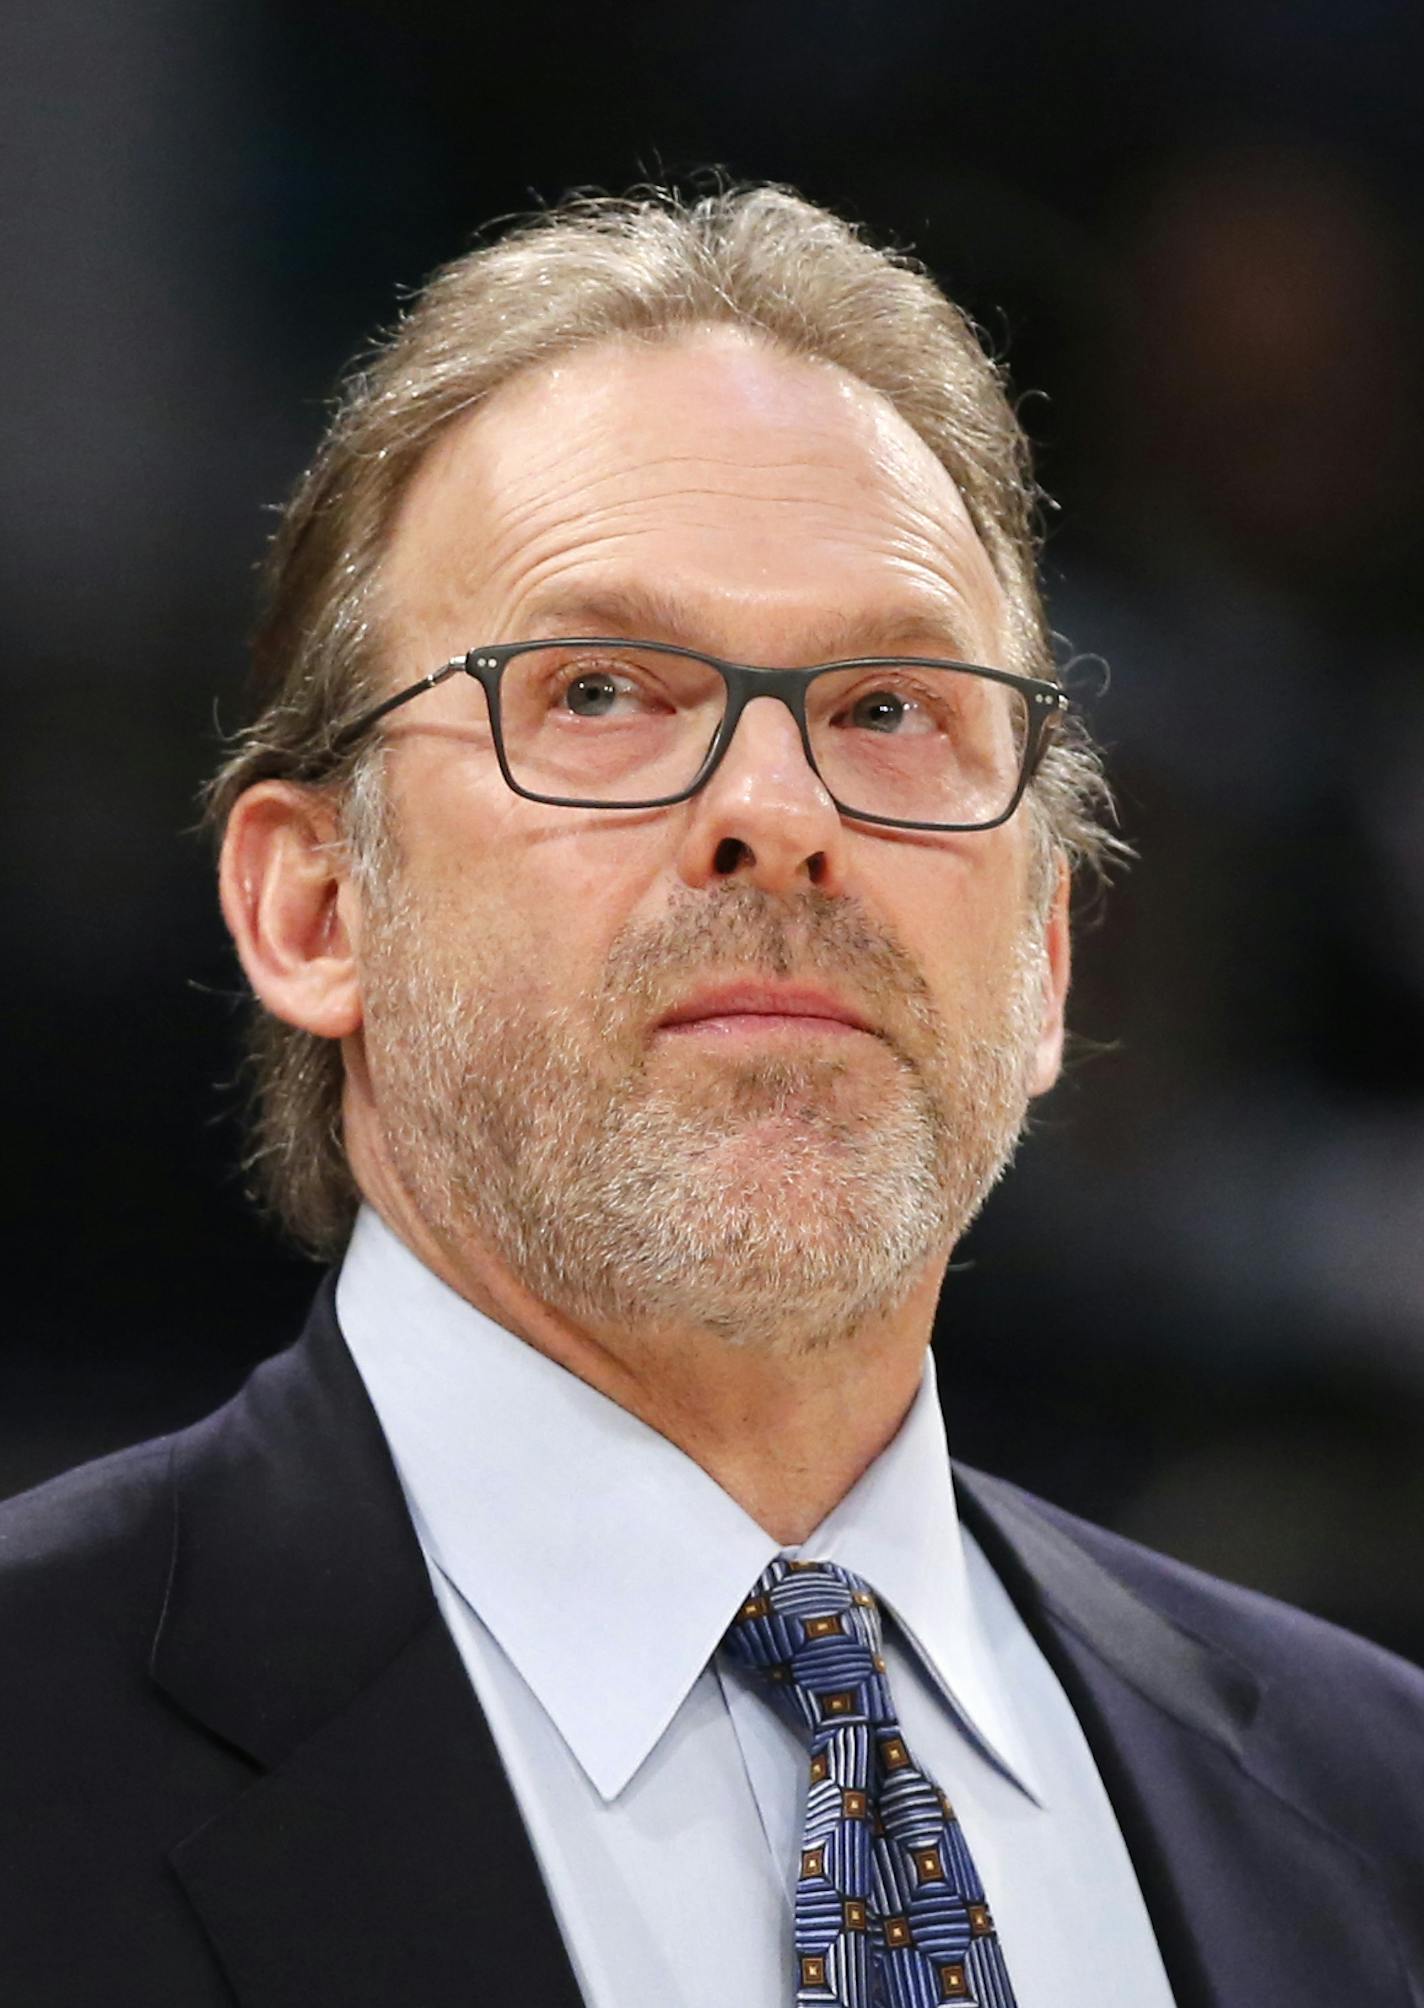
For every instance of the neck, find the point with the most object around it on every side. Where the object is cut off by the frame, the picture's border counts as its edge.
(786, 1433)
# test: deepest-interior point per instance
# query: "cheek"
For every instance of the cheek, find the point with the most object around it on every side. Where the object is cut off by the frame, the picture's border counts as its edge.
(581, 877)
(535, 905)
(959, 913)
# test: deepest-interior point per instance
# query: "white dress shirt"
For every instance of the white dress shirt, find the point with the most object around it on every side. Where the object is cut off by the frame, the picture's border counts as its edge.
(588, 1569)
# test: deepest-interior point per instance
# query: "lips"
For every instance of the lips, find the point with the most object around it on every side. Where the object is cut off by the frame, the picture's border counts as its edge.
(727, 1004)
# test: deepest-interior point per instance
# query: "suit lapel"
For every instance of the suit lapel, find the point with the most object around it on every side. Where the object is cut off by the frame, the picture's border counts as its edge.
(379, 1854)
(1255, 1904)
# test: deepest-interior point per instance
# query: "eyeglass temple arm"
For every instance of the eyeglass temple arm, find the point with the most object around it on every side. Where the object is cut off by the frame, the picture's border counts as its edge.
(362, 724)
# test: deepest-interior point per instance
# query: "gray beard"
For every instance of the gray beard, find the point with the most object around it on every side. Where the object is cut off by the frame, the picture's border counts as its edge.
(769, 1200)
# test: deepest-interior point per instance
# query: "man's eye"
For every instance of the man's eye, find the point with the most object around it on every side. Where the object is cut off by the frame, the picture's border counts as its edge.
(594, 696)
(883, 711)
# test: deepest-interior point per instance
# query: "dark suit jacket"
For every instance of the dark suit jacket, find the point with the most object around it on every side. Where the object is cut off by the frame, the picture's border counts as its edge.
(240, 1760)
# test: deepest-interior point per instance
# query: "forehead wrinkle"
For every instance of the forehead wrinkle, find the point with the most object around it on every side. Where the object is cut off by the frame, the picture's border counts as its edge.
(523, 433)
(574, 471)
(527, 582)
(902, 523)
(521, 503)
(930, 616)
(575, 495)
(959, 567)
(931, 611)
(807, 444)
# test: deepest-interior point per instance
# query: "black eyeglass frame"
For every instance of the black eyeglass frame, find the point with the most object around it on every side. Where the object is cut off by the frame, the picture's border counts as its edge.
(1047, 703)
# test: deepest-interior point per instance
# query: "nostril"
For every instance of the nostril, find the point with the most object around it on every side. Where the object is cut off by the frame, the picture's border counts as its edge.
(816, 867)
(730, 854)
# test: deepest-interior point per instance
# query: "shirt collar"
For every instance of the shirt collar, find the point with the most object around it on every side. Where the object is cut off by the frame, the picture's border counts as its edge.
(606, 1564)
(898, 1528)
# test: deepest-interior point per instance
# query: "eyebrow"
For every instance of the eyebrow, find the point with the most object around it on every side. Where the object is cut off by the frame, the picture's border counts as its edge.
(651, 614)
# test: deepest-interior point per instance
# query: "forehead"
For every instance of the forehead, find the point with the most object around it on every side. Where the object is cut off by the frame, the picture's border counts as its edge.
(710, 473)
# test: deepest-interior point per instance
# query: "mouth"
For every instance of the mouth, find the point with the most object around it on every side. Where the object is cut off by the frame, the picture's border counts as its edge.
(763, 1010)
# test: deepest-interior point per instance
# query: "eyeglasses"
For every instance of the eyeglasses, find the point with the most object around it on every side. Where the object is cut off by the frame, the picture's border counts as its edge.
(600, 723)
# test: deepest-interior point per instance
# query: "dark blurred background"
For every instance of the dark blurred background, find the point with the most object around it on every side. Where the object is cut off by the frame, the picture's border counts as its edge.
(1196, 1311)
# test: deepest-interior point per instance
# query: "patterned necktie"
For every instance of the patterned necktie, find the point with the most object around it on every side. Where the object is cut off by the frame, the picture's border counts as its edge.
(890, 1912)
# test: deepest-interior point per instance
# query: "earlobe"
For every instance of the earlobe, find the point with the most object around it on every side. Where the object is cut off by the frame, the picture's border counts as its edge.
(289, 904)
(1048, 1060)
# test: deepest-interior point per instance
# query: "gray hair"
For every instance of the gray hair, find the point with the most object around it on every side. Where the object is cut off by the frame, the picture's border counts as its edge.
(640, 267)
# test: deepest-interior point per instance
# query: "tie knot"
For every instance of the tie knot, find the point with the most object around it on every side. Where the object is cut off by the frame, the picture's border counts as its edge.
(811, 1631)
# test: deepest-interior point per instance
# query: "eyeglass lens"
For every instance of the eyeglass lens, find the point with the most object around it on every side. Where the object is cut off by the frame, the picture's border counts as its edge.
(625, 725)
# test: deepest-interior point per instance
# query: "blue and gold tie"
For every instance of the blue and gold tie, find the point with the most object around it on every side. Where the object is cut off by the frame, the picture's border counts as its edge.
(890, 1912)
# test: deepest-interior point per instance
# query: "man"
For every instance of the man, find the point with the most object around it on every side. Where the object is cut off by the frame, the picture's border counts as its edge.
(650, 858)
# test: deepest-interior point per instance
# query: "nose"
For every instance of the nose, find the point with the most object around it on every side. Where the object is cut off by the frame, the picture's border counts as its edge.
(765, 816)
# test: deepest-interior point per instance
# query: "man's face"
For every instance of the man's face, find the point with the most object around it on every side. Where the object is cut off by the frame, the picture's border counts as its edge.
(570, 1034)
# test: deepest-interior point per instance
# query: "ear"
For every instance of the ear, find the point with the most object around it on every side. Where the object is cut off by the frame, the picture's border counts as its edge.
(291, 907)
(1048, 1060)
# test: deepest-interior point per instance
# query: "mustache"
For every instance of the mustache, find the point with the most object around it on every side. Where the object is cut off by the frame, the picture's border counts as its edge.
(746, 931)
